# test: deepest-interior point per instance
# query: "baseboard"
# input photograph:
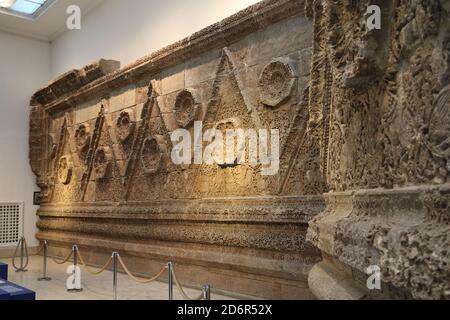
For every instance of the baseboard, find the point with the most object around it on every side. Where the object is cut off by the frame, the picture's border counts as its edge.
(8, 252)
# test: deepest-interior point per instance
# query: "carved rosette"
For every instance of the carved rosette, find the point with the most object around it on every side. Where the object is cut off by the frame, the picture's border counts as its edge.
(276, 83)
(102, 163)
(152, 154)
(65, 170)
(125, 125)
(186, 108)
(83, 136)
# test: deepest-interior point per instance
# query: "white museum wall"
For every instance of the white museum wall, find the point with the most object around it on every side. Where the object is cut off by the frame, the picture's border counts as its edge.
(24, 68)
(126, 30)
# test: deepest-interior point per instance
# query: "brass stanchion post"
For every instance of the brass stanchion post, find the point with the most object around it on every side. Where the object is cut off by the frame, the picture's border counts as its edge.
(44, 276)
(206, 291)
(170, 270)
(115, 256)
(23, 251)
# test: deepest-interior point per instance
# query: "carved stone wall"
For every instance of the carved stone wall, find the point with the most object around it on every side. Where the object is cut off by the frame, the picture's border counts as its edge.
(382, 97)
(365, 159)
(100, 148)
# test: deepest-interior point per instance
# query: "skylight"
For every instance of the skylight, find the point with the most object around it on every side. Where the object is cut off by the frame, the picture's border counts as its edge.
(24, 7)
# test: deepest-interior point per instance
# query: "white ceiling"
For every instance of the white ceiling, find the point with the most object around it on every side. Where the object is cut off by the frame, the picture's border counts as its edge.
(50, 24)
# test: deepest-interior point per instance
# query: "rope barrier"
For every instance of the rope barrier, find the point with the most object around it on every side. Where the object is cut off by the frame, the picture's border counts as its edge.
(115, 257)
(88, 269)
(40, 249)
(63, 261)
(180, 289)
(146, 281)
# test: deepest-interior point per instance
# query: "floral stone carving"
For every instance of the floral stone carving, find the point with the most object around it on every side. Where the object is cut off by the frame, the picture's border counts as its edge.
(383, 98)
(276, 83)
(102, 163)
(125, 125)
(83, 136)
(186, 108)
(153, 150)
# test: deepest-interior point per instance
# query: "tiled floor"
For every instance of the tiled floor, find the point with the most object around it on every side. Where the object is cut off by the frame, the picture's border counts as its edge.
(94, 287)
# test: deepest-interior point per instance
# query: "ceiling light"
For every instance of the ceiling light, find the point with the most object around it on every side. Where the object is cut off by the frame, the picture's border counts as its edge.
(24, 8)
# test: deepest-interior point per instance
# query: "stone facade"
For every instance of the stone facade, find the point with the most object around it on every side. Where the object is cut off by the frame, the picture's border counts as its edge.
(364, 153)
(100, 147)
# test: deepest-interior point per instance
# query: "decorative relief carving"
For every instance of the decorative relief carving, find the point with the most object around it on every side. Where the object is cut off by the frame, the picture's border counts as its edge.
(153, 151)
(217, 234)
(378, 87)
(102, 163)
(83, 136)
(384, 96)
(65, 169)
(125, 125)
(276, 83)
(439, 134)
(186, 108)
(91, 156)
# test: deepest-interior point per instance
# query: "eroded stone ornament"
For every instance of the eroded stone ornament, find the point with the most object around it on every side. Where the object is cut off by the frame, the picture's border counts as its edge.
(276, 83)
(65, 168)
(83, 136)
(230, 153)
(152, 154)
(51, 146)
(102, 162)
(125, 125)
(439, 131)
(186, 108)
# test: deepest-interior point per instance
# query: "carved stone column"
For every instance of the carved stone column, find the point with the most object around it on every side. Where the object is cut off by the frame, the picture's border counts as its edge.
(386, 146)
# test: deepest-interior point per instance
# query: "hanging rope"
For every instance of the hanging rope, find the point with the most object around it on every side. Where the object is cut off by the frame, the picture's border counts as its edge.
(88, 269)
(40, 249)
(23, 254)
(180, 289)
(65, 260)
(145, 281)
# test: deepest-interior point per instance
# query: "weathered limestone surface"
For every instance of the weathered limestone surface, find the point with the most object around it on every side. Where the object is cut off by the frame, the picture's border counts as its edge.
(100, 148)
(364, 122)
(385, 153)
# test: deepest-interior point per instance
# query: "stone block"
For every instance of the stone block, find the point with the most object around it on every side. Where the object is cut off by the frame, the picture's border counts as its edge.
(203, 68)
(173, 79)
(87, 111)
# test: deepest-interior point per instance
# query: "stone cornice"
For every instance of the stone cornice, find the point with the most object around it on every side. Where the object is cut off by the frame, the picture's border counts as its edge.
(292, 210)
(217, 35)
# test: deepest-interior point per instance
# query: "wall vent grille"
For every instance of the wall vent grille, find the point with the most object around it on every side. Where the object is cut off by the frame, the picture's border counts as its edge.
(11, 223)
